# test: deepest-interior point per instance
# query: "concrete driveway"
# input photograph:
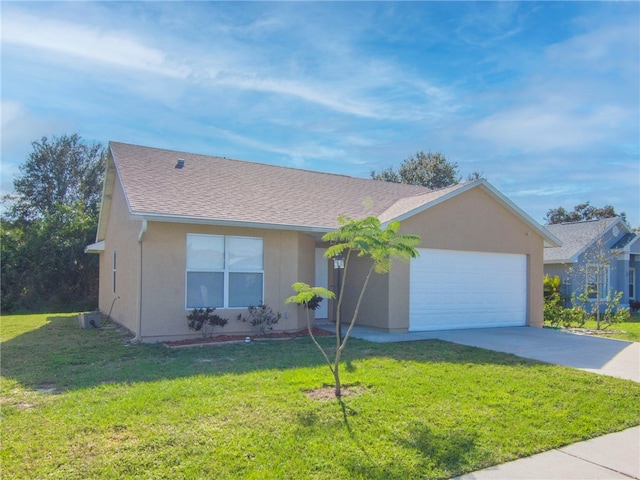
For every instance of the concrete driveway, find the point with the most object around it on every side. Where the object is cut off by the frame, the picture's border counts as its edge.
(605, 356)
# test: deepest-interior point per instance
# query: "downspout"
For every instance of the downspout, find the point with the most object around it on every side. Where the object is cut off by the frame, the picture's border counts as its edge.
(143, 230)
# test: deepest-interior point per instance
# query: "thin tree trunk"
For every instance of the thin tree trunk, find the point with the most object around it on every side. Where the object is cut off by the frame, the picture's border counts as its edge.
(357, 309)
(313, 337)
(336, 364)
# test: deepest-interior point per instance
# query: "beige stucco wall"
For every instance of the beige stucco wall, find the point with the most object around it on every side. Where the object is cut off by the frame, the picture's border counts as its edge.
(288, 257)
(122, 236)
(471, 221)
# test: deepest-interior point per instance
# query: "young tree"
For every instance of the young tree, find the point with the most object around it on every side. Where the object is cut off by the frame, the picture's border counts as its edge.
(309, 297)
(431, 170)
(361, 238)
(51, 217)
(584, 211)
(593, 273)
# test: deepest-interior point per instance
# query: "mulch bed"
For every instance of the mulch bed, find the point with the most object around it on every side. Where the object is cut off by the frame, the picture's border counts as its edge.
(217, 339)
(329, 392)
(592, 331)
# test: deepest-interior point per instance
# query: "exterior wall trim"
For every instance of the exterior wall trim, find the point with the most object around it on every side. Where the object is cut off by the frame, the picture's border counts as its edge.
(162, 218)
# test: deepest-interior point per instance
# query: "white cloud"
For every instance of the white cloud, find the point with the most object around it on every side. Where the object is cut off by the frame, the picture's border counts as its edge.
(547, 191)
(604, 48)
(545, 127)
(300, 151)
(350, 80)
(116, 49)
(20, 127)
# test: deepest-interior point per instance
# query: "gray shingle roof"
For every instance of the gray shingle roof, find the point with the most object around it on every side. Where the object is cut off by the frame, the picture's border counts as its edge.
(575, 237)
(220, 189)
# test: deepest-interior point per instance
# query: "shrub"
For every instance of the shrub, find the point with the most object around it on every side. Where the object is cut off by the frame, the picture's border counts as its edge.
(262, 318)
(635, 306)
(573, 317)
(583, 310)
(551, 287)
(552, 310)
(612, 313)
(314, 303)
(203, 319)
(621, 315)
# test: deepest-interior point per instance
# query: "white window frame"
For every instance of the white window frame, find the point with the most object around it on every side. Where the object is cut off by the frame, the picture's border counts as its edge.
(605, 281)
(632, 283)
(226, 270)
(114, 269)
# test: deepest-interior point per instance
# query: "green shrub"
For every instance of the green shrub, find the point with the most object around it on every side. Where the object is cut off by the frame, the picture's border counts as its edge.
(582, 310)
(262, 318)
(203, 319)
(551, 287)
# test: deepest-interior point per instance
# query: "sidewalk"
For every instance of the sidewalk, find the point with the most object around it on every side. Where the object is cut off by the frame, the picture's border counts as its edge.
(609, 457)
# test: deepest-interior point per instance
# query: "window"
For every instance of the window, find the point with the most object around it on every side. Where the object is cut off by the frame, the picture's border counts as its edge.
(632, 284)
(597, 281)
(113, 281)
(224, 272)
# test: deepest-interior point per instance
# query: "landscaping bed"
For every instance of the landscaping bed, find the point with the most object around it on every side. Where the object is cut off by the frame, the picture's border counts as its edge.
(222, 339)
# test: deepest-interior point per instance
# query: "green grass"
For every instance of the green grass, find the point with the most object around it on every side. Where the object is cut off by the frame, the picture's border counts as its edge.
(624, 330)
(425, 409)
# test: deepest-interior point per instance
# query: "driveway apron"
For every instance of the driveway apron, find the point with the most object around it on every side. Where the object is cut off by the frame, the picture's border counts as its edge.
(604, 356)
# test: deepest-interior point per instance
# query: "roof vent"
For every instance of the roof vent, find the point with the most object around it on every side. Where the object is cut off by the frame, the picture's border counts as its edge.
(180, 163)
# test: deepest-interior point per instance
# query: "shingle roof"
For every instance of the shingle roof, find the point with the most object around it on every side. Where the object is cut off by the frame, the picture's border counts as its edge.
(575, 237)
(221, 189)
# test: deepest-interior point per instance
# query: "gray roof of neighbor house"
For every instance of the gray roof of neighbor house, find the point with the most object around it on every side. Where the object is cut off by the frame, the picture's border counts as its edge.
(221, 191)
(576, 237)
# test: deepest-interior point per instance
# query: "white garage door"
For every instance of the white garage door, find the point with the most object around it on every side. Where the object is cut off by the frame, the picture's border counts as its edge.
(455, 289)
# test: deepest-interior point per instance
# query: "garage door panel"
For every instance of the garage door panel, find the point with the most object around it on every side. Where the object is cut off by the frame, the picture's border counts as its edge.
(456, 289)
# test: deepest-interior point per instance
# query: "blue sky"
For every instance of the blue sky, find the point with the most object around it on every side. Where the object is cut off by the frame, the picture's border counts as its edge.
(542, 98)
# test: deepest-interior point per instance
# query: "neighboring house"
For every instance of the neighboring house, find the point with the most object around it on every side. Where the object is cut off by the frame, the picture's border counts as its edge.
(596, 257)
(180, 230)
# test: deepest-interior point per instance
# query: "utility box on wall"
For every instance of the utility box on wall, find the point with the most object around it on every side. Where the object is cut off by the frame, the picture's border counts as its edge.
(89, 319)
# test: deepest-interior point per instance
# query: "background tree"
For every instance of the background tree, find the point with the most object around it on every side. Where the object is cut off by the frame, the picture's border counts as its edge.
(50, 218)
(431, 170)
(362, 238)
(475, 175)
(584, 211)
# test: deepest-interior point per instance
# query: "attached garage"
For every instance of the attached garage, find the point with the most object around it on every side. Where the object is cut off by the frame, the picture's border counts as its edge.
(452, 289)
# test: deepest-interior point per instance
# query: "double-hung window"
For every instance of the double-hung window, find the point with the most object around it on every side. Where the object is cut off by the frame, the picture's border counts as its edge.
(597, 281)
(632, 283)
(224, 271)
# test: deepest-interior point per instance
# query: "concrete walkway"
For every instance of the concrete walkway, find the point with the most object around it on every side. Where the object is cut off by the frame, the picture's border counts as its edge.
(609, 457)
(614, 456)
(605, 356)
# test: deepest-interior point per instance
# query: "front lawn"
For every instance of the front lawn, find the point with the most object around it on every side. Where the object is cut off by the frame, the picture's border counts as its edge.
(80, 404)
(629, 331)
